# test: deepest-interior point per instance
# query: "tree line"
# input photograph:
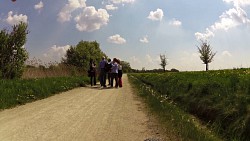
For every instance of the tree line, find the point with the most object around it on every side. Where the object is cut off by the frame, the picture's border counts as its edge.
(81, 54)
(13, 54)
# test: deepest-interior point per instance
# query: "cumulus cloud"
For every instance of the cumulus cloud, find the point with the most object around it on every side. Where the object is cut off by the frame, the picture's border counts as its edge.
(175, 22)
(65, 13)
(152, 61)
(144, 39)
(116, 39)
(91, 19)
(122, 1)
(226, 53)
(135, 60)
(39, 6)
(238, 2)
(56, 53)
(229, 19)
(149, 59)
(203, 36)
(15, 19)
(156, 15)
(111, 7)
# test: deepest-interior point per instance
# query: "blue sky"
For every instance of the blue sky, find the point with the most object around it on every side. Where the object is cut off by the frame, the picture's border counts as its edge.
(137, 31)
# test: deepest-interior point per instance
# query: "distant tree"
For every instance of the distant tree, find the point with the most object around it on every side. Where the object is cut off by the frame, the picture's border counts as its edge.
(174, 70)
(126, 68)
(206, 54)
(163, 62)
(82, 53)
(143, 69)
(12, 53)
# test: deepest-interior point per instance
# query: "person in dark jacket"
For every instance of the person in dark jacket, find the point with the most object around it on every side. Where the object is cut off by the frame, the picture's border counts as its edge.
(108, 70)
(92, 72)
(102, 75)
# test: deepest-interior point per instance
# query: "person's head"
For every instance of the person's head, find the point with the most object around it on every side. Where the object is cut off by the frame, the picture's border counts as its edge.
(118, 61)
(103, 57)
(109, 60)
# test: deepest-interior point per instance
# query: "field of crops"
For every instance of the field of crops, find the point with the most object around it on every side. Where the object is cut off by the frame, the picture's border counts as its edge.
(21, 91)
(221, 99)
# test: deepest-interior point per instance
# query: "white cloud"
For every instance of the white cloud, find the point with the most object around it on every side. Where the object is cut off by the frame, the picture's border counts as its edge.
(175, 22)
(65, 13)
(203, 36)
(226, 53)
(152, 61)
(91, 19)
(149, 59)
(122, 1)
(15, 19)
(116, 39)
(56, 53)
(238, 2)
(135, 60)
(111, 7)
(156, 15)
(189, 61)
(144, 39)
(229, 19)
(39, 6)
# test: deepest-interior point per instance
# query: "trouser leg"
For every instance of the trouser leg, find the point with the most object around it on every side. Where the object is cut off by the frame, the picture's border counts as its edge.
(116, 79)
(94, 79)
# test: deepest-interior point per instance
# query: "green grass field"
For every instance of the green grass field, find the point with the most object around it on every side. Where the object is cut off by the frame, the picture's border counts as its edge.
(17, 92)
(220, 99)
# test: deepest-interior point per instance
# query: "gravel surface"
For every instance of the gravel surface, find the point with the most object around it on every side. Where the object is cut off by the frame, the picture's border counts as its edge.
(82, 114)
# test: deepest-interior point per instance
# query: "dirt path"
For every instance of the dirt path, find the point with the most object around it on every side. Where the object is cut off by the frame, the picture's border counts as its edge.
(84, 114)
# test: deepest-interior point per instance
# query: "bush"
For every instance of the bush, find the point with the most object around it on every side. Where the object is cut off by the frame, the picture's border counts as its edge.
(12, 53)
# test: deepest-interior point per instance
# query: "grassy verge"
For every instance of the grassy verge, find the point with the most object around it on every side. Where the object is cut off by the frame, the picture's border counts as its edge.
(220, 99)
(17, 92)
(174, 120)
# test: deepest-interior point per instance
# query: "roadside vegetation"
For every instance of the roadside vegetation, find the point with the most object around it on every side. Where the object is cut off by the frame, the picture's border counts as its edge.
(25, 80)
(219, 99)
(21, 91)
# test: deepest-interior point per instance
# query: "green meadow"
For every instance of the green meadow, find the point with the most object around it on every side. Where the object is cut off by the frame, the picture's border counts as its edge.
(21, 91)
(219, 99)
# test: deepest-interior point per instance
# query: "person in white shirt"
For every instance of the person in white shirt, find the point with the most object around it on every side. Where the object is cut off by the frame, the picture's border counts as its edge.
(114, 73)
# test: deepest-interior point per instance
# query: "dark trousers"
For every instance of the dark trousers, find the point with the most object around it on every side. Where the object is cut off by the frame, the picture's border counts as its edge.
(102, 77)
(109, 78)
(114, 76)
(93, 80)
(120, 81)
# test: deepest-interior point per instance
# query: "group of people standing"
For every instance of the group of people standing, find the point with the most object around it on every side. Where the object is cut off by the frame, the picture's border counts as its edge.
(107, 68)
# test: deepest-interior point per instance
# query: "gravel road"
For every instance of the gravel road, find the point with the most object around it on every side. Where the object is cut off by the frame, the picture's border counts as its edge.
(82, 114)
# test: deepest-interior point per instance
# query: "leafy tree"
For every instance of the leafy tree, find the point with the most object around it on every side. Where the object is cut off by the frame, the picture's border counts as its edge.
(163, 62)
(12, 53)
(206, 54)
(126, 66)
(81, 54)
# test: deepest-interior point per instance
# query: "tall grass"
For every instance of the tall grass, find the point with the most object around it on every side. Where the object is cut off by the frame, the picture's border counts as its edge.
(174, 120)
(17, 92)
(219, 98)
(40, 80)
(35, 68)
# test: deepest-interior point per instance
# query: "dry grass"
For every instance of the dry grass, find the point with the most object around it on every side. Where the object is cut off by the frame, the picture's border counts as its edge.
(35, 68)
